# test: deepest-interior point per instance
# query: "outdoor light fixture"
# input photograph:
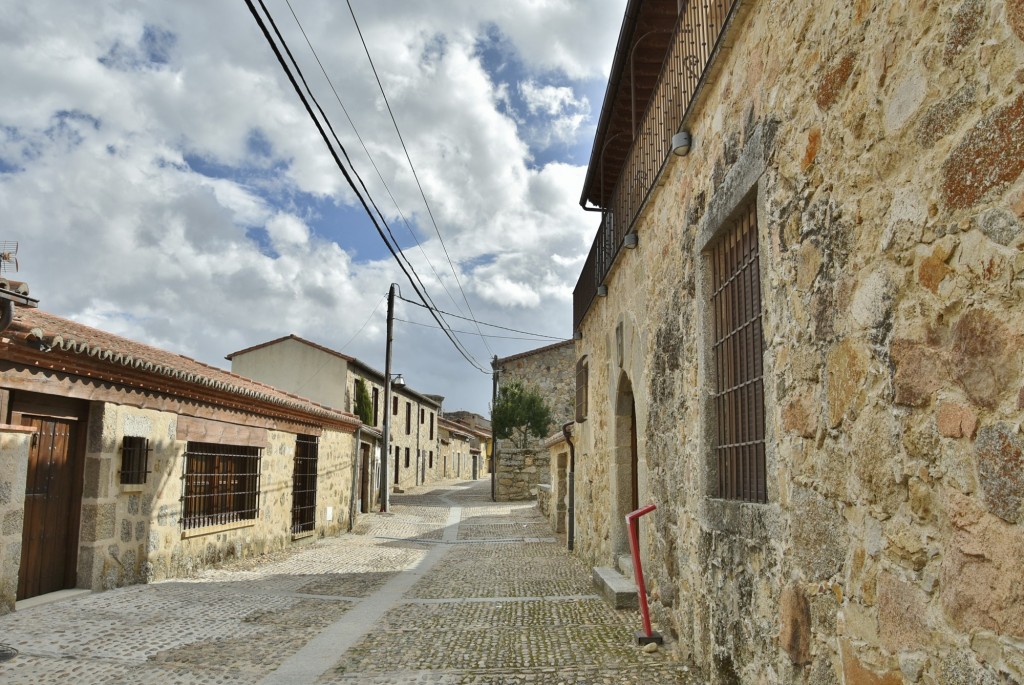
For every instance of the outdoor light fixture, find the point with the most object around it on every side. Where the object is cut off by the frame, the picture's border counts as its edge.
(398, 381)
(681, 143)
(630, 241)
(602, 291)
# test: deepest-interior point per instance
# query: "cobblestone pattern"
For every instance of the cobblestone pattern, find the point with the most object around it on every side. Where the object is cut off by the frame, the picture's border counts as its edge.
(505, 611)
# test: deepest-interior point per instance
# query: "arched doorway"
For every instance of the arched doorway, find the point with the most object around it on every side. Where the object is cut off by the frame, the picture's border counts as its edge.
(626, 470)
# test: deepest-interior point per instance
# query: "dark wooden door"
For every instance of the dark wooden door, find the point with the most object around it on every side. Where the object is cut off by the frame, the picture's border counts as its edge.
(47, 552)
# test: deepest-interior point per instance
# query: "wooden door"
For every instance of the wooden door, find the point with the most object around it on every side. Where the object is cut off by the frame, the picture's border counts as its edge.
(364, 478)
(47, 545)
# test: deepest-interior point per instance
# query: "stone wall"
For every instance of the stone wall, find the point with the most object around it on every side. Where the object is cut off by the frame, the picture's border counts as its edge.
(551, 496)
(881, 143)
(551, 372)
(14, 451)
(132, 533)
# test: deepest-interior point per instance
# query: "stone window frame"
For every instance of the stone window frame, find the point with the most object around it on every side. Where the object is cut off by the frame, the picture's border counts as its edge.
(743, 184)
(582, 388)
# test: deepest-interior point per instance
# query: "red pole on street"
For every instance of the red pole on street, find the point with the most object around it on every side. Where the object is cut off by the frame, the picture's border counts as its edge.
(632, 524)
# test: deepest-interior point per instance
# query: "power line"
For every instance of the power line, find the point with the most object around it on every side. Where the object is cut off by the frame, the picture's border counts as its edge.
(482, 323)
(356, 335)
(411, 166)
(337, 160)
(355, 130)
(500, 337)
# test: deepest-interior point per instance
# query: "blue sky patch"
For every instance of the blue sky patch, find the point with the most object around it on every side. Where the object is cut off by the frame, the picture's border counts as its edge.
(154, 50)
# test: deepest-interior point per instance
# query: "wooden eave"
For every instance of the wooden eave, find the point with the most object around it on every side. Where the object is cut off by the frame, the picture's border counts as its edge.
(644, 39)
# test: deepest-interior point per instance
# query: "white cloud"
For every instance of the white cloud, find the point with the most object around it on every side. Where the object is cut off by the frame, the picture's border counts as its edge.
(157, 168)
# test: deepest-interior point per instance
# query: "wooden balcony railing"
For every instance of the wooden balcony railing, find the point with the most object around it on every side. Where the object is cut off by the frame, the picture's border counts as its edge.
(697, 32)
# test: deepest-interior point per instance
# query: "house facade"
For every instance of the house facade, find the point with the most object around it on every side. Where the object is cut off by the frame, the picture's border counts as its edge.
(126, 464)
(549, 371)
(799, 336)
(331, 378)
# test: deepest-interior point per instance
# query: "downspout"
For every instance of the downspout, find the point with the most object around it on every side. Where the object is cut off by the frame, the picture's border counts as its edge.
(571, 509)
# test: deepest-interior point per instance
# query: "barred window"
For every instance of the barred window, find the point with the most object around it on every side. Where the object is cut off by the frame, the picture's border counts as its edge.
(221, 484)
(134, 460)
(304, 473)
(738, 359)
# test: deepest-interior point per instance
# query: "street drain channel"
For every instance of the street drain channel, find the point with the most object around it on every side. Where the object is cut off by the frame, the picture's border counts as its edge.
(7, 653)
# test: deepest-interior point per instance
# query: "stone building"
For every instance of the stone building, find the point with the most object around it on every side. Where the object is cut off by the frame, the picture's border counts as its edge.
(454, 450)
(122, 463)
(481, 441)
(548, 370)
(800, 336)
(329, 377)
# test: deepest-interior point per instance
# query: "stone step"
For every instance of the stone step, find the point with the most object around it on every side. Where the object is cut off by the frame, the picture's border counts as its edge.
(617, 590)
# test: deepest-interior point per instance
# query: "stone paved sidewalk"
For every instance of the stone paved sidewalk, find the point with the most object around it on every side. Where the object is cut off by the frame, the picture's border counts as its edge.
(448, 588)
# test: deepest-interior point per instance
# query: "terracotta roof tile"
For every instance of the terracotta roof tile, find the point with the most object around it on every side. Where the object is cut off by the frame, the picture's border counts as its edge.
(37, 327)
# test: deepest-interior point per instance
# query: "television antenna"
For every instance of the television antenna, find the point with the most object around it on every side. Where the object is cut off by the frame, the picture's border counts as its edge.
(8, 255)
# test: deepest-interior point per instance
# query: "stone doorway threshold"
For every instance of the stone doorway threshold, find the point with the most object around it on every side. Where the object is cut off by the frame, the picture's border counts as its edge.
(50, 598)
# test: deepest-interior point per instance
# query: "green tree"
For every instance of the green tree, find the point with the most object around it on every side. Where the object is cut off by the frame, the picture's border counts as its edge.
(364, 406)
(518, 413)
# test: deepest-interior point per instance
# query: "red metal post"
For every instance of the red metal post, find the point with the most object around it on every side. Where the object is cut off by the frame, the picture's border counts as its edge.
(632, 524)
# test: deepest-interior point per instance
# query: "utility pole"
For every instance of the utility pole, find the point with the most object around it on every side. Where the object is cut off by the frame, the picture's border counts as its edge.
(494, 440)
(386, 454)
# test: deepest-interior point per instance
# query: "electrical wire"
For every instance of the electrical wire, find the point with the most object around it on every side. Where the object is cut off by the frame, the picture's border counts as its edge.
(380, 176)
(430, 213)
(486, 335)
(356, 335)
(348, 178)
(482, 323)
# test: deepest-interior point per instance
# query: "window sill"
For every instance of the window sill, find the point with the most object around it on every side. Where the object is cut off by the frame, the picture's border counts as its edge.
(759, 522)
(132, 487)
(300, 536)
(210, 530)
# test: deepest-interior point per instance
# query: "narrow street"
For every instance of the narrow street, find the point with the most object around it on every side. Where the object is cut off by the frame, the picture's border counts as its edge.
(447, 588)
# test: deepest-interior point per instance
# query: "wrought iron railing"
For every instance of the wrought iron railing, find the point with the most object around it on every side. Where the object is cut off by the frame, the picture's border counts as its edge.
(698, 30)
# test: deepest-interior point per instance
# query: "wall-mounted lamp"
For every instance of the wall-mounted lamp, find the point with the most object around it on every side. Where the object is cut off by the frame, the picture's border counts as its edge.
(398, 381)
(602, 291)
(681, 143)
(631, 241)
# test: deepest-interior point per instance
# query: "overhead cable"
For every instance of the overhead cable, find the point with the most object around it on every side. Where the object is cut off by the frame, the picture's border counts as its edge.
(413, 168)
(348, 178)
(482, 323)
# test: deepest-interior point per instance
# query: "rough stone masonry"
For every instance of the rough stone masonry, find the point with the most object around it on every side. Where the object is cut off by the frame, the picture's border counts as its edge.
(883, 145)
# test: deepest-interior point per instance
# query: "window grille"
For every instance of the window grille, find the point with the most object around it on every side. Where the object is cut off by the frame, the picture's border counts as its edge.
(134, 460)
(582, 377)
(221, 484)
(738, 357)
(304, 474)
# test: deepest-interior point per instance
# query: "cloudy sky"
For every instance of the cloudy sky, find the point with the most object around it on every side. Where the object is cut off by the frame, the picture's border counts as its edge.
(165, 183)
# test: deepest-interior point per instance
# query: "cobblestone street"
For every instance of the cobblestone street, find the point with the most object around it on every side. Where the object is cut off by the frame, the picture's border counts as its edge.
(447, 588)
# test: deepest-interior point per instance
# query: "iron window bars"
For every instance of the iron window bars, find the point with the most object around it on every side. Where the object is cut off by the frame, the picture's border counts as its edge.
(221, 484)
(134, 460)
(739, 362)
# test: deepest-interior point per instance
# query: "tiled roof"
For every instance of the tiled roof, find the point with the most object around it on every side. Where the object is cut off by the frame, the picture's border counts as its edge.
(41, 335)
(296, 338)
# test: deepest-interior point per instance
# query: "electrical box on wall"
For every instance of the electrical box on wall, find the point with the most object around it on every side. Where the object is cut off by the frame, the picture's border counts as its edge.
(330, 514)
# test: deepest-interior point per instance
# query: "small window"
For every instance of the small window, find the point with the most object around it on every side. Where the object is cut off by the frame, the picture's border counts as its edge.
(376, 406)
(431, 462)
(394, 405)
(738, 352)
(408, 419)
(134, 460)
(431, 425)
(398, 456)
(406, 457)
(582, 378)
